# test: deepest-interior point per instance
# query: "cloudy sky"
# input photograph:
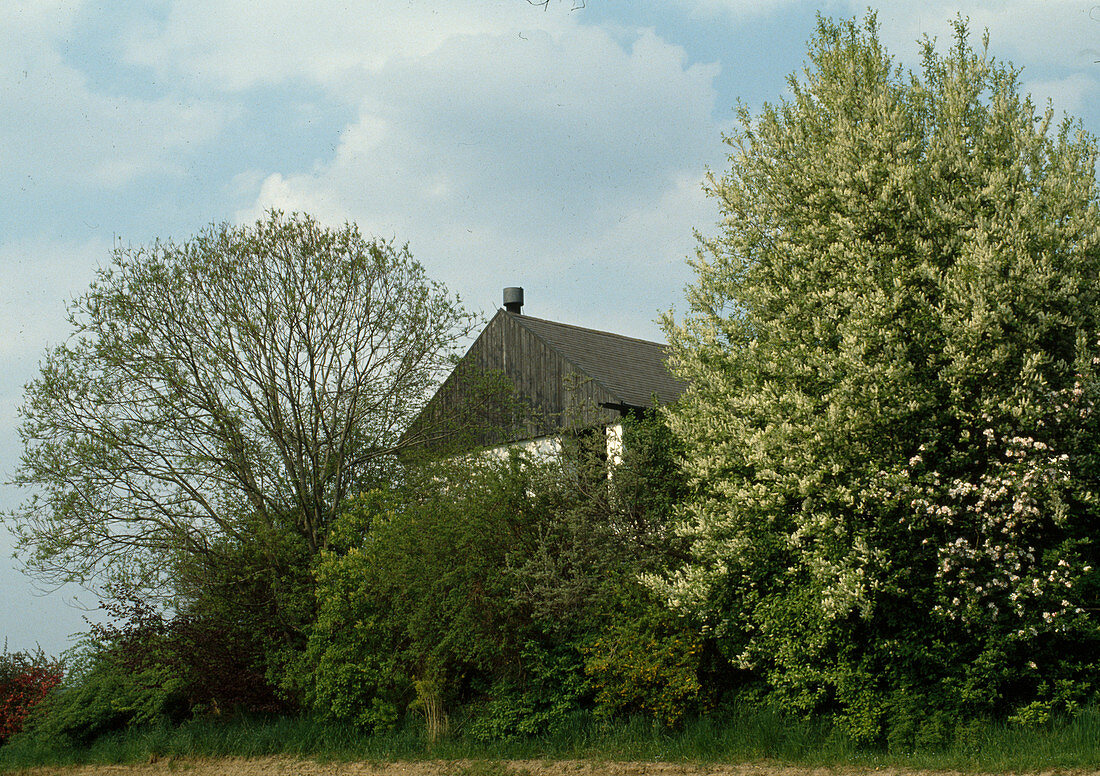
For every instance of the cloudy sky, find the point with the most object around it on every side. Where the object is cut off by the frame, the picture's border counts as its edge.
(558, 149)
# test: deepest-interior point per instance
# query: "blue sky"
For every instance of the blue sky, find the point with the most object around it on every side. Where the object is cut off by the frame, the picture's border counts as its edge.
(561, 149)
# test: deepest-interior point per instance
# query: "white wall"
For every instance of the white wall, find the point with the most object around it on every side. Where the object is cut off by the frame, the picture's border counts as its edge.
(547, 446)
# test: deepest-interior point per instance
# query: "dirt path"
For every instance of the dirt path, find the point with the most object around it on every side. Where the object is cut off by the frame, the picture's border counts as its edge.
(283, 766)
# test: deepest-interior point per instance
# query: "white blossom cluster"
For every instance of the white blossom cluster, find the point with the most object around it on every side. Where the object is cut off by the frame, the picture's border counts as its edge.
(985, 528)
(882, 427)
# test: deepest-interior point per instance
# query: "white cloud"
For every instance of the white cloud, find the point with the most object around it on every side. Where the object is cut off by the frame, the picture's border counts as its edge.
(735, 9)
(642, 253)
(1071, 95)
(58, 129)
(503, 159)
(236, 44)
(31, 23)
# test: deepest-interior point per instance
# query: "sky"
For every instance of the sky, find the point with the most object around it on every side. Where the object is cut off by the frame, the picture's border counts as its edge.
(561, 149)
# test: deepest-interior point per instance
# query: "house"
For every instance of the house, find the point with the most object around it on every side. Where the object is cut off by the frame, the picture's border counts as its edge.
(527, 381)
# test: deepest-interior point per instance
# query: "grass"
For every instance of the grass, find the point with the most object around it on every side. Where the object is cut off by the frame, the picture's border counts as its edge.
(746, 737)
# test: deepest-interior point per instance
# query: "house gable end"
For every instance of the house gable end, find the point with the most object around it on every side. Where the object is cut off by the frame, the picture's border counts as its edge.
(511, 384)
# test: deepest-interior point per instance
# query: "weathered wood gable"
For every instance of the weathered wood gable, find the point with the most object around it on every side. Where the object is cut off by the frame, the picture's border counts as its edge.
(525, 378)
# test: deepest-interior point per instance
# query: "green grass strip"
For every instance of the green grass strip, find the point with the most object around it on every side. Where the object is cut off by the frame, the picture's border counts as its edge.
(751, 736)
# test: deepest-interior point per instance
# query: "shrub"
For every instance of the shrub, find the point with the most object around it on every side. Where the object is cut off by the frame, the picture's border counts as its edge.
(212, 663)
(26, 678)
(649, 661)
(487, 579)
(146, 669)
(104, 698)
(414, 589)
(542, 699)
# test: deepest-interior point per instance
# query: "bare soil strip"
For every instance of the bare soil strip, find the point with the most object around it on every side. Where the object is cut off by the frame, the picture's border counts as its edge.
(285, 766)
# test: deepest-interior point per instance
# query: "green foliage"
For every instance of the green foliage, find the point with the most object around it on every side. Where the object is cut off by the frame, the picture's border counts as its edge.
(543, 699)
(645, 661)
(648, 483)
(488, 579)
(471, 590)
(892, 350)
(248, 378)
(596, 534)
(582, 578)
(145, 669)
(242, 616)
(420, 595)
(193, 440)
(104, 693)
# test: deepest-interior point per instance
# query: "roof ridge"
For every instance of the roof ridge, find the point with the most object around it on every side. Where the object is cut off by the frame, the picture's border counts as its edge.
(521, 316)
(565, 356)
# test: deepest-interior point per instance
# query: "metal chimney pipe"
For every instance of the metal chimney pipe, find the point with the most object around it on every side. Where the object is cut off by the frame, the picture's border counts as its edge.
(513, 299)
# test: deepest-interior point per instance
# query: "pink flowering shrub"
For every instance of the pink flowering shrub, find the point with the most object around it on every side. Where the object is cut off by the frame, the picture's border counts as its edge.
(25, 680)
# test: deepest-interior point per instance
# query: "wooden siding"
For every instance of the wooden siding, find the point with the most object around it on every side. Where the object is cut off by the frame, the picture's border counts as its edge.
(510, 385)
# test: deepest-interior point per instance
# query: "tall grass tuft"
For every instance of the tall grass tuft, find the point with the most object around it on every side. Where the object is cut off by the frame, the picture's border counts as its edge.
(742, 735)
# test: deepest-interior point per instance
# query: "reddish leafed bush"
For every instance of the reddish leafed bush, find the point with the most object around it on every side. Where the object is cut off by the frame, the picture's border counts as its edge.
(216, 665)
(25, 680)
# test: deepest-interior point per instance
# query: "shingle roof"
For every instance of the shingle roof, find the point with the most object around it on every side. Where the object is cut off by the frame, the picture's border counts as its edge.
(631, 369)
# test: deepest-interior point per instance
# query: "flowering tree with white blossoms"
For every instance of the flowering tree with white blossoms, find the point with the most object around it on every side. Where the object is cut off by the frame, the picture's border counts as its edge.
(892, 351)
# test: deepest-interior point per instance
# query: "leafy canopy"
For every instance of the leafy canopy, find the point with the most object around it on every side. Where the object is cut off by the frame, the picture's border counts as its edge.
(891, 344)
(235, 386)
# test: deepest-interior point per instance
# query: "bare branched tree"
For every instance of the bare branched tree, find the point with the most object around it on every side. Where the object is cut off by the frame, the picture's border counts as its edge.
(545, 4)
(246, 380)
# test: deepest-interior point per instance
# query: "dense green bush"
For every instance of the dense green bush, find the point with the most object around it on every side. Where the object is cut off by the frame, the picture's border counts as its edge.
(491, 581)
(241, 620)
(500, 596)
(891, 426)
(645, 661)
(543, 698)
(103, 694)
(146, 669)
(418, 593)
(413, 590)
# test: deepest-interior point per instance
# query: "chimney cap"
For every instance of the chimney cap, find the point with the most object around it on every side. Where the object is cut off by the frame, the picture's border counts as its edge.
(513, 299)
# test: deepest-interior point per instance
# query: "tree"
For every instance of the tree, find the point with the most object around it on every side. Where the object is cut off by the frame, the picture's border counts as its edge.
(892, 351)
(577, 4)
(235, 386)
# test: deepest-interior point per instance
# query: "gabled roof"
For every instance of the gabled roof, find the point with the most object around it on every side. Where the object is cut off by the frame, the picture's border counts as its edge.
(556, 376)
(632, 370)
